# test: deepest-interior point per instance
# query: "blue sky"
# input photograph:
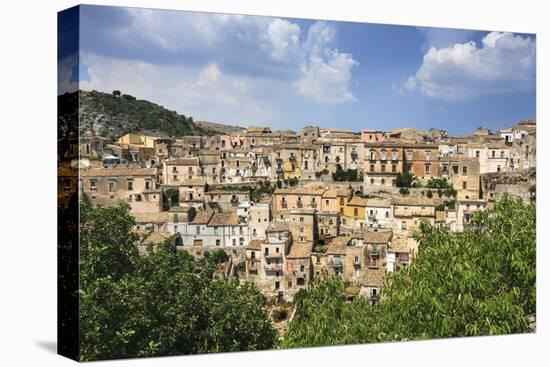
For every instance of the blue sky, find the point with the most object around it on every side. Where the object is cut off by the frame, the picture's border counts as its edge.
(288, 73)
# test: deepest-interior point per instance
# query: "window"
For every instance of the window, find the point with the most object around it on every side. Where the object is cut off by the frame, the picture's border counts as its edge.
(277, 284)
(301, 219)
(409, 168)
(93, 184)
(218, 242)
(455, 170)
(428, 155)
(174, 169)
(355, 212)
(383, 181)
(216, 230)
(111, 186)
(383, 168)
(493, 154)
(498, 168)
(427, 168)
(409, 155)
(266, 251)
(147, 185)
(477, 153)
(372, 155)
(383, 155)
(465, 170)
(394, 156)
(302, 268)
(502, 154)
(464, 185)
(241, 241)
(198, 230)
(234, 242)
(130, 185)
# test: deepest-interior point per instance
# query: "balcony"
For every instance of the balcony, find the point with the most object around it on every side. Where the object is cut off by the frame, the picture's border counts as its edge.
(299, 205)
(252, 270)
(273, 255)
(273, 267)
(357, 261)
(250, 258)
(292, 158)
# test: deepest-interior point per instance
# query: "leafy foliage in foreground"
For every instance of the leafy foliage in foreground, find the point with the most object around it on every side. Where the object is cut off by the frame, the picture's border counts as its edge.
(164, 303)
(477, 282)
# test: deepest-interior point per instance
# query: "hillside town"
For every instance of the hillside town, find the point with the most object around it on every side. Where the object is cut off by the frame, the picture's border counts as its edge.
(289, 208)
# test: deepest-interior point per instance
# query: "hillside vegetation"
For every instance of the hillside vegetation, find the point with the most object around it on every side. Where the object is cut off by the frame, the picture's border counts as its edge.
(115, 114)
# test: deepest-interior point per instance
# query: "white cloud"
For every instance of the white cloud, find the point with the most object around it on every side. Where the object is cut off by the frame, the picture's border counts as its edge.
(319, 35)
(326, 73)
(504, 63)
(224, 68)
(65, 68)
(327, 81)
(285, 40)
(129, 76)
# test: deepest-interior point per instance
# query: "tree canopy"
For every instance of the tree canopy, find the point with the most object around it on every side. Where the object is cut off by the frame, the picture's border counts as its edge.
(477, 282)
(163, 303)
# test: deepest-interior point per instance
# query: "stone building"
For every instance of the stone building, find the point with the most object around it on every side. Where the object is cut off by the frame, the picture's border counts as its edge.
(408, 212)
(134, 185)
(421, 160)
(464, 210)
(226, 200)
(298, 270)
(379, 213)
(303, 226)
(492, 156)
(179, 170)
(462, 174)
(298, 197)
(383, 163)
(260, 217)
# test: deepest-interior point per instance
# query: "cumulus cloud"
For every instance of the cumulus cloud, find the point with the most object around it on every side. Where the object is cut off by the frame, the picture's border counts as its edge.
(284, 38)
(216, 67)
(326, 73)
(66, 81)
(504, 62)
(327, 80)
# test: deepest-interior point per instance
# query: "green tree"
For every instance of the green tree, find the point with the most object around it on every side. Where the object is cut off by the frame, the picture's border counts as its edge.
(477, 282)
(172, 196)
(162, 303)
(404, 179)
